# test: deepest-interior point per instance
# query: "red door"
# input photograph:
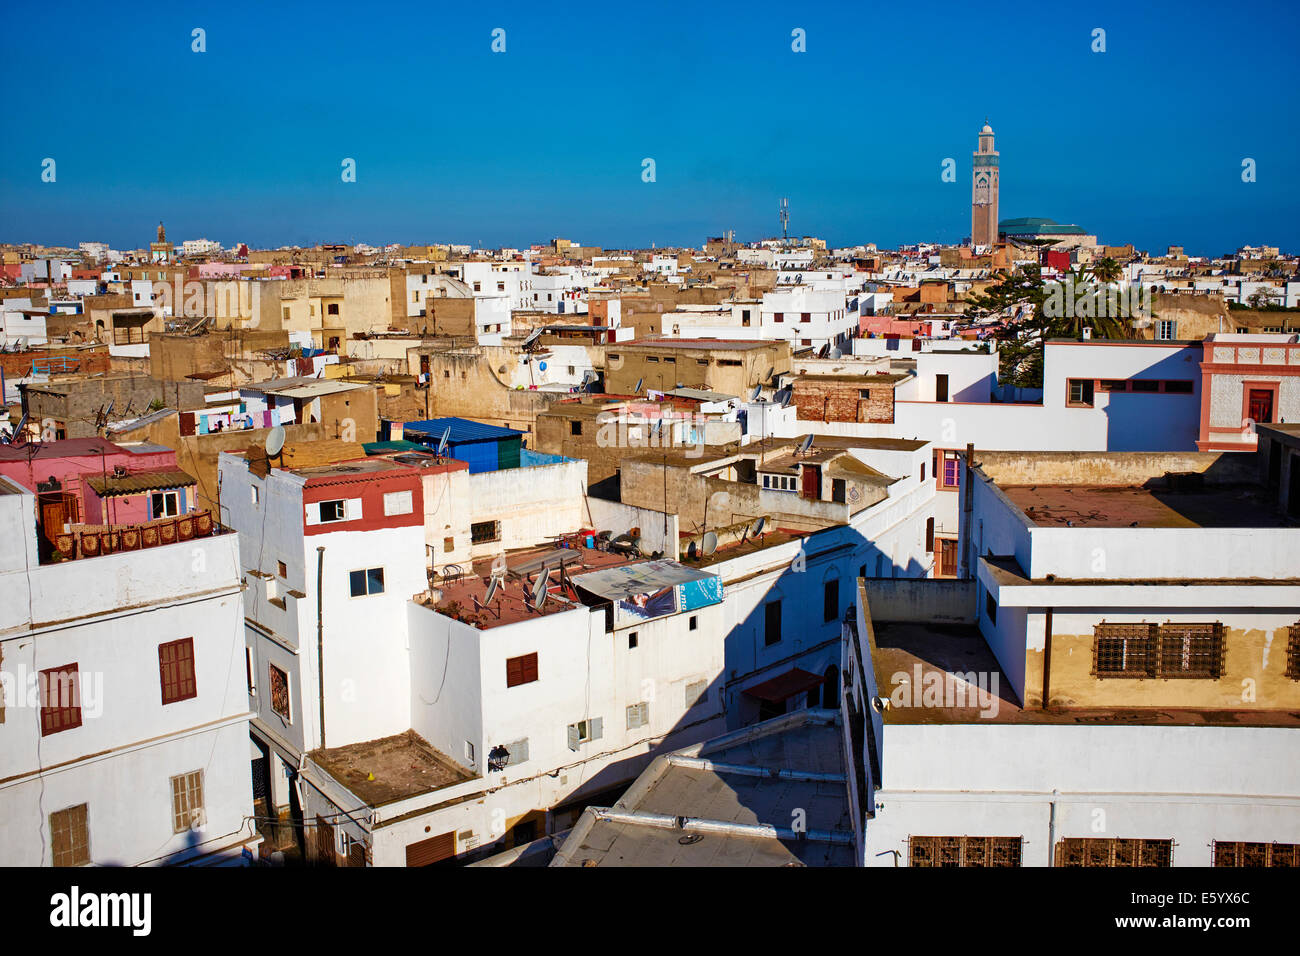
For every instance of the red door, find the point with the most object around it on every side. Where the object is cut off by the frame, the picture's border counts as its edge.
(1261, 405)
(812, 482)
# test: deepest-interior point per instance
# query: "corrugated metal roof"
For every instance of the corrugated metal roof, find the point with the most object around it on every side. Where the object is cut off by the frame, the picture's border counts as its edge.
(462, 430)
(139, 481)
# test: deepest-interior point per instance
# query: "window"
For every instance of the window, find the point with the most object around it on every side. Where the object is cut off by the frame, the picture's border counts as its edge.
(1094, 851)
(950, 476)
(164, 504)
(508, 755)
(70, 836)
(575, 428)
(60, 699)
(187, 801)
(771, 623)
(767, 480)
(964, 851)
(366, 582)
(631, 640)
(285, 312)
(1179, 387)
(638, 715)
(279, 683)
(1166, 329)
(694, 622)
(176, 670)
(864, 393)
(281, 569)
(255, 494)
(1145, 385)
(333, 309)
(778, 317)
(1080, 392)
(830, 600)
(1114, 385)
(1256, 854)
(1162, 651)
(697, 693)
(805, 317)
(397, 503)
(485, 532)
(584, 731)
(929, 536)
(521, 670)
(448, 545)
(332, 511)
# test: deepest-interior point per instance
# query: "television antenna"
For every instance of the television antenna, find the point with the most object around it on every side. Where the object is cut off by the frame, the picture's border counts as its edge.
(784, 214)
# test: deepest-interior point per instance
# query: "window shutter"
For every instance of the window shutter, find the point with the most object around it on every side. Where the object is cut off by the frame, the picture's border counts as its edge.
(573, 736)
(518, 752)
(352, 509)
(529, 667)
(633, 716)
(645, 713)
(313, 513)
(595, 728)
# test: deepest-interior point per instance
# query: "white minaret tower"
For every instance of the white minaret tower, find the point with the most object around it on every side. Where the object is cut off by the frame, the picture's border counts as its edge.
(984, 191)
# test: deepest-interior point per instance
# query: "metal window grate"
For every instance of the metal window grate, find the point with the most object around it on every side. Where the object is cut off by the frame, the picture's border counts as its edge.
(1227, 853)
(1293, 653)
(952, 851)
(1123, 650)
(1088, 851)
(1191, 650)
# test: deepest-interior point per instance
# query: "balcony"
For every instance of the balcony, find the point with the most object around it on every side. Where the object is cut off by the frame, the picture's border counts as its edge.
(90, 541)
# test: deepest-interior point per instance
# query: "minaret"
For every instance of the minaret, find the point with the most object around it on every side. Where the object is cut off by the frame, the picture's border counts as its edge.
(984, 191)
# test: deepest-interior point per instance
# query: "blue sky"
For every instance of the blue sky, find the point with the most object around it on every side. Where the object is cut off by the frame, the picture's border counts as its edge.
(1143, 143)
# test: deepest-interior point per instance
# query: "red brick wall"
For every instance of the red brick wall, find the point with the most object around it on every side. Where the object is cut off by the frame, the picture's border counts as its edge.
(841, 401)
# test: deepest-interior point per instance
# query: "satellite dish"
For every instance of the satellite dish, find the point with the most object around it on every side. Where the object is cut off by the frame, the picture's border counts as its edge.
(637, 390)
(274, 441)
(692, 551)
(758, 526)
(805, 444)
(532, 337)
(710, 542)
(784, 396)
(493, 587)
(442, 442)
(754, 395)
(539, 589)
(835, 353)
(589, 377)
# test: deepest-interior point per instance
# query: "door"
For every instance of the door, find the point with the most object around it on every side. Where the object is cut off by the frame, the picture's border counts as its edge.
(941, 388)
(837, 490)
(1261, 405)
(947, 557)
(53, 514)
(324, 842)
(812, 482)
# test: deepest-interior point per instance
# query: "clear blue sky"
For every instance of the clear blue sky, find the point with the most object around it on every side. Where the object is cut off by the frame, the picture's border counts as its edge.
(1143, 143)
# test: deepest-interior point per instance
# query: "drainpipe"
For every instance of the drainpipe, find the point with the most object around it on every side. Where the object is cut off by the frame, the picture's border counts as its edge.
(320, 640)
(1047, 659)
(968, 499)
(1051, 829)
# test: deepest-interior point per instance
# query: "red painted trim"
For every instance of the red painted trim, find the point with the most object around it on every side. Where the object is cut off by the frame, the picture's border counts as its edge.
(371, 490)
(1248, 386)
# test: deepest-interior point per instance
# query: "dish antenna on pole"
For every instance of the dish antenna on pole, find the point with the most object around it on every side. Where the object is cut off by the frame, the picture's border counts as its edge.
(805, 444)
(757, 527)
(756, 393)
(709, 543)
(539, 589)
(493, 587)
(533, 336)
(442, 442)
(637, 390)
(274, 442)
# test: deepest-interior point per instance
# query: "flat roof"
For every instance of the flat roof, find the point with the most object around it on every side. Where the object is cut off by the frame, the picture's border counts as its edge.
(390, 768)
(1102, 506)
(711, 344)
(727, 802)
(951, 651)
(67, 448)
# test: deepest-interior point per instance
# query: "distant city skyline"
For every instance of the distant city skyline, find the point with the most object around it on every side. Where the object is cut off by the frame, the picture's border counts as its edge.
(244, 142)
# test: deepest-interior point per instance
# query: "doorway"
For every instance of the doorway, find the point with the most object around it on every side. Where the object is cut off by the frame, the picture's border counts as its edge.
(1259, 406)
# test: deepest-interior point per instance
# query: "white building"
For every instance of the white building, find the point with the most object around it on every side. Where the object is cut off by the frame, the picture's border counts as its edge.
(124, 738)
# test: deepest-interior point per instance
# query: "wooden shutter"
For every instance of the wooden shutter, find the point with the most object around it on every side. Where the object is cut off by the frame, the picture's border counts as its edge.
(324, 842)
(432, 850)
(176, 670)
(573, 737)
(596, 728)
(521, 670)
(60, 689)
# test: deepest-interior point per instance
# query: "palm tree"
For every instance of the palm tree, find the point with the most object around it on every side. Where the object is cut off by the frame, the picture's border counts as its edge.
(1106, 270)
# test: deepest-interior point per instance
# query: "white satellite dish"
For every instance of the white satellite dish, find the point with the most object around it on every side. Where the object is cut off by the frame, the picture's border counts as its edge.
(539, 589)
(493, 587)
(274, 441)
(757, 527)
(805, 444)
(532, 337)
(442, 442)
(709, 543)
(836, 353)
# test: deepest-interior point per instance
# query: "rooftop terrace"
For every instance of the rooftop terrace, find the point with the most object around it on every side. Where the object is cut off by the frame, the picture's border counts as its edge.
(390, 768)
(1100, 506)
